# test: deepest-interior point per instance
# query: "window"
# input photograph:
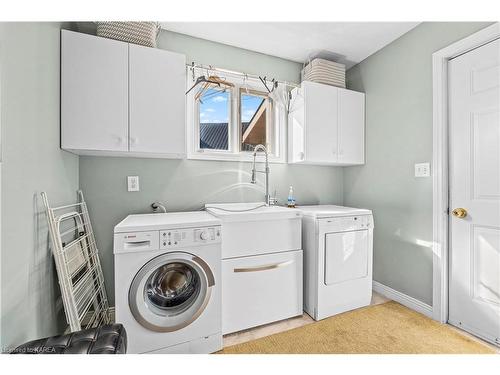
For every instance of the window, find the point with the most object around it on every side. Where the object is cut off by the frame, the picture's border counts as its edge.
(254, 121)
(214, 117)
(226, 121)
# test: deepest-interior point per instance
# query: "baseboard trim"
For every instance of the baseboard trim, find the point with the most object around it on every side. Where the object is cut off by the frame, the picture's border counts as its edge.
(403, 299)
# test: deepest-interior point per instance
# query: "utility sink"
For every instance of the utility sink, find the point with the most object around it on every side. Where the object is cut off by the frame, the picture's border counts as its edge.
(250, 211)
(254, 228)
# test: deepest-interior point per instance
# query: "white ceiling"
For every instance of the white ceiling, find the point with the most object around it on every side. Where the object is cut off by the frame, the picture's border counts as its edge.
(344, 42)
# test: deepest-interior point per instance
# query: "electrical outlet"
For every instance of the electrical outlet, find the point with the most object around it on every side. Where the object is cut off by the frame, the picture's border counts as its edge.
(422, 170)
(133, 183)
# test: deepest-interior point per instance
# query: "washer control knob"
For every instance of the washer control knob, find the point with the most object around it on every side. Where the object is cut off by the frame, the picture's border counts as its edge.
(203, 235)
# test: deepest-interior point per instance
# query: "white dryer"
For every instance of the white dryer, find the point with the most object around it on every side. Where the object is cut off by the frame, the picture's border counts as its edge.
(167, 282)
(338, 258)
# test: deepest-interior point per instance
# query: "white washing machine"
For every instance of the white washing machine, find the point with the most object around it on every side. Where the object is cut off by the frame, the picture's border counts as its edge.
(338, 259)
(167, 282)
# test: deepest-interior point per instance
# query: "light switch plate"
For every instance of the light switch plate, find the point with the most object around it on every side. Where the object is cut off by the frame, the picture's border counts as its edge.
(422, 170)
(133, 183)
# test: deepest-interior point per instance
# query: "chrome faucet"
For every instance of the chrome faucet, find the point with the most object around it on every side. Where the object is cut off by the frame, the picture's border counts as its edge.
(266, 170)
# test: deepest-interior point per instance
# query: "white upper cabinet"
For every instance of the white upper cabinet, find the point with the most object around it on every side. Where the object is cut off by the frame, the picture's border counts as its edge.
(321, 146)
(326, 125)
(121, 99)
(94, 93)
(351, 127)
(157, 85)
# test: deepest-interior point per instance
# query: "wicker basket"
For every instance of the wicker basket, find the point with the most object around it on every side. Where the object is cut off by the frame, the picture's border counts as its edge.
(143, 33)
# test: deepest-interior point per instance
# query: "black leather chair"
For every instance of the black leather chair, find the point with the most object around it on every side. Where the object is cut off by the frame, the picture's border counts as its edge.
(107, 339)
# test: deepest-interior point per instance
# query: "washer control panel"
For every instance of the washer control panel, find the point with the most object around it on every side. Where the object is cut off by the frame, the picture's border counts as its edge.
(174, 238)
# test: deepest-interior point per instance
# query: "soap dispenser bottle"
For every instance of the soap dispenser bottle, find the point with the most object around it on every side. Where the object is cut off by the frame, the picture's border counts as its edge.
(291, 199)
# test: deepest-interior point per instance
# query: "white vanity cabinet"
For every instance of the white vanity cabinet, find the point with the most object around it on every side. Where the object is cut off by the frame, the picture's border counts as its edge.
(262, 265)
(326, 125)
(121, 99)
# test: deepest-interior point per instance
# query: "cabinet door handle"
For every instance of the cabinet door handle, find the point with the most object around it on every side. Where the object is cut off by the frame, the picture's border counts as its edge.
(263, 268)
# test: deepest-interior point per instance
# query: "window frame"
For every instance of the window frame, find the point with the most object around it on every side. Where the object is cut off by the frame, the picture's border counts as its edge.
(270, 129)
(234, 153)
(230, 140)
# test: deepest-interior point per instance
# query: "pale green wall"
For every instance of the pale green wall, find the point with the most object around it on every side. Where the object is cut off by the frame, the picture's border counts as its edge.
(397, 81)
(221, 55)
(188, 184)
(32, 162)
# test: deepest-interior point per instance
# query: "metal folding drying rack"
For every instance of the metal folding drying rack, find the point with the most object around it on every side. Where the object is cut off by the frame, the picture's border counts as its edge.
(78, 266)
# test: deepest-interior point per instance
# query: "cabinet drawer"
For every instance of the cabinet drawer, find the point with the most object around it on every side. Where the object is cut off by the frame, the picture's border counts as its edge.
(261, 289)
(136, 242)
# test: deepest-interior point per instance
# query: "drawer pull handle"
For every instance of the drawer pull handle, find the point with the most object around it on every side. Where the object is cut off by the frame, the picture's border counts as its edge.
(137, 244)
(263, 268)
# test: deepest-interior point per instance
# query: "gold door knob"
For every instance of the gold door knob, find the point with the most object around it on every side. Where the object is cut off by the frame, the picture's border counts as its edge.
(459, 212)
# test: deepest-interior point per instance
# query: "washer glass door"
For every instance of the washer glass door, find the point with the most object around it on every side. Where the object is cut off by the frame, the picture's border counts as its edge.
(170, 291)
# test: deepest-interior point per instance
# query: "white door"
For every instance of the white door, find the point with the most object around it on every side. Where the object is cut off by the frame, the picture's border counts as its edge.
(157, 100)
(474, 289)
(351, 127)
(321, 111)
(94, 93)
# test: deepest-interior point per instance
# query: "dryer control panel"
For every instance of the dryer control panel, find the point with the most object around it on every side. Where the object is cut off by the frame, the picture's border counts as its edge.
(175, 238)
(346, 223)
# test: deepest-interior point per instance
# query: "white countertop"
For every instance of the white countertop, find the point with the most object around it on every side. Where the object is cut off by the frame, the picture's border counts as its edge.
(171, 220)
(323, 211)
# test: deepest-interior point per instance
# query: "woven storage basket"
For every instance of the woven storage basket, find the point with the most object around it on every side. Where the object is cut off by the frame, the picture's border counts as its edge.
(143, 33)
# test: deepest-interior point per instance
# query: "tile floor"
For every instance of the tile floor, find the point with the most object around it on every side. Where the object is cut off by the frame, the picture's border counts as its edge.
(299, 321)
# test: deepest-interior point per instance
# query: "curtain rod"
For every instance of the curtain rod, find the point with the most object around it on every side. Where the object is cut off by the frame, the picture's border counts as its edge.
(238, 74)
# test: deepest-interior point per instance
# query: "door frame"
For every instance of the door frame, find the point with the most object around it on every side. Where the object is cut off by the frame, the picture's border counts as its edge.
(440, 209)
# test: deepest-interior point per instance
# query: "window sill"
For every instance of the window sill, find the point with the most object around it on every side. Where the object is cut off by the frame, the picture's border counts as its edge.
(248, 158)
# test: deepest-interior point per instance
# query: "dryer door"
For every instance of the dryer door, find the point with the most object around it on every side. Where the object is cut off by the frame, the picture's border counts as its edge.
(170, 291)
(346, 256)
